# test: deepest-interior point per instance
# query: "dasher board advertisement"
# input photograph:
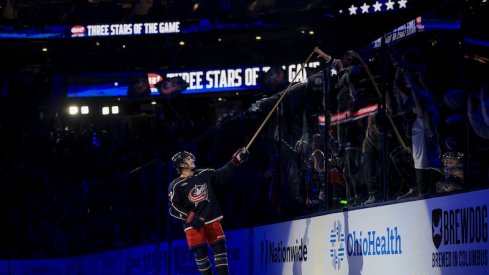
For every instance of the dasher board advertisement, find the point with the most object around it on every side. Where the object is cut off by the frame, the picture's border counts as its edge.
(446, 235)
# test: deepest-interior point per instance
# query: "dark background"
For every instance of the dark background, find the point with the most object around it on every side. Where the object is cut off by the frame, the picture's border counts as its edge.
(75, 185)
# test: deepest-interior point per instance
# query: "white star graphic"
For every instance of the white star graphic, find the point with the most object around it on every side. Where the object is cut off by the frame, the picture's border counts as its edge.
(377, 6)
(389, 5)
(365, 8)
(402, 3)
(353, 9)
(334, 72)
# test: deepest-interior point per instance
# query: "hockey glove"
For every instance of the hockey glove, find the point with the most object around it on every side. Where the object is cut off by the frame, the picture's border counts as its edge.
(240, 156)
(194, 221)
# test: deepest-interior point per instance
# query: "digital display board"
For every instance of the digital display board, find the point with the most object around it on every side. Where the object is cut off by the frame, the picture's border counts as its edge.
(102, 84)
(199, 81)
(125, 29)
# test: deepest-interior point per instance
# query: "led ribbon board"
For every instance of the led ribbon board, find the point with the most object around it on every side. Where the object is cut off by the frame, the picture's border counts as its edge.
(405, 30)
(226, 80)
(102, 84)
(199, 81)
(125, 29)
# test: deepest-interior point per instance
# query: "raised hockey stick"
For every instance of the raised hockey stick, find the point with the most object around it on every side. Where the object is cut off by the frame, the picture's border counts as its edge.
(284, 92)
(379, 94)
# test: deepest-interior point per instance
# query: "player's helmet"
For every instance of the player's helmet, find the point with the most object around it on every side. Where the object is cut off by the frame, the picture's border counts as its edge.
(179, 157)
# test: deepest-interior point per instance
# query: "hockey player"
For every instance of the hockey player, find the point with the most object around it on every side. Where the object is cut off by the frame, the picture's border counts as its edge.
(193, 201)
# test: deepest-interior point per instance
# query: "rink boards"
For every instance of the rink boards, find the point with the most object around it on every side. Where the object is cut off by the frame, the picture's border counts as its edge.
(445, 235)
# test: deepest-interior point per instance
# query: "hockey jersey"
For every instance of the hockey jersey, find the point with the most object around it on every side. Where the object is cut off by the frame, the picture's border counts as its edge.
(196, 194)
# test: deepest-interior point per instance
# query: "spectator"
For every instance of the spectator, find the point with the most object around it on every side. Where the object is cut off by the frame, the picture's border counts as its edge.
(426, 150)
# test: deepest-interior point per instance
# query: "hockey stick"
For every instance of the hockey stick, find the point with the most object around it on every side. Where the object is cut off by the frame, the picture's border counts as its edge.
(379, 94)
(284, 92)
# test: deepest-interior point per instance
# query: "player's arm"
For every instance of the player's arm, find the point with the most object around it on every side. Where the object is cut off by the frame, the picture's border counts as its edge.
(322, 54)
(225, 173)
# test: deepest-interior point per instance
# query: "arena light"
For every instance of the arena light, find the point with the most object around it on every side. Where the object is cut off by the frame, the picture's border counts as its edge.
(84, 110)
(195, 6)
(105, 111)
(115, 109)
(73, 110)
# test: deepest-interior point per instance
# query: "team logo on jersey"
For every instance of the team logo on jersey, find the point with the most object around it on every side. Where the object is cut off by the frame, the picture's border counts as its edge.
(198, 193)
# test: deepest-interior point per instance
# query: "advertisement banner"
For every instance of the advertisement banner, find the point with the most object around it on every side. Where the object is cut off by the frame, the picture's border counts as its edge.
(445, 235)
(237, 244)
(182, 259)
(238, 247)
(296, 247)
(149, 259)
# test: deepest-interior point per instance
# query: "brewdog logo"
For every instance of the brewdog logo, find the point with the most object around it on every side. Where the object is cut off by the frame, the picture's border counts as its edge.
(436, 217)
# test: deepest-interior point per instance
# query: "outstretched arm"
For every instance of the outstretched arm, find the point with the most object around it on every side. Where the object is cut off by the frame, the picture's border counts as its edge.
(423, 103)
(328, 58)
(225, 173)
(323, 54)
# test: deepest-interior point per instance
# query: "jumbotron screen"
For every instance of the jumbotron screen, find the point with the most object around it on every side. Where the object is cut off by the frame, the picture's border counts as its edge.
(198, 81)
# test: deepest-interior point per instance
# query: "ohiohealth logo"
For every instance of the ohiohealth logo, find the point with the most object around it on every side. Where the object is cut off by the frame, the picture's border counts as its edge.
(360, 243)
(337, 240)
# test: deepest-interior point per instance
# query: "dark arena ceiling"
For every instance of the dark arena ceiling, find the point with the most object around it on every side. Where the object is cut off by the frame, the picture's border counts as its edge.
(222, 32)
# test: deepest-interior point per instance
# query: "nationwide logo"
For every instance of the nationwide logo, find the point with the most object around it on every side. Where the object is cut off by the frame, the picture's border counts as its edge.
(279, 252)
(337, 240)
